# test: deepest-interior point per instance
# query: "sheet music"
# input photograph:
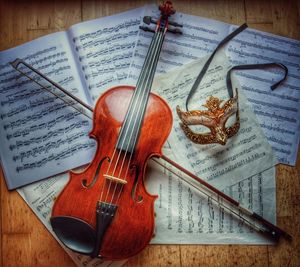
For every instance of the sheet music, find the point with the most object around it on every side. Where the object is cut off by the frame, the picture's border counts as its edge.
(245, 154)
(278, 111)
(184, 216)
(200, 37)
(104, 49)
(40, 135)
(41, 132)
(244, 168)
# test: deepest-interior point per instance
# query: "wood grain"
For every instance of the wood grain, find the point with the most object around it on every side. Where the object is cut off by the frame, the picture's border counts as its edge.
(24, 241)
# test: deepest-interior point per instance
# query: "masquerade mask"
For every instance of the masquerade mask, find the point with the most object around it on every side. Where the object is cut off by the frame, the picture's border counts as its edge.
(218, 111)
(214, 118)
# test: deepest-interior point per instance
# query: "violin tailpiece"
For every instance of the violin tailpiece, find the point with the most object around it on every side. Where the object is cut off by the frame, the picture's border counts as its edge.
(105, 213)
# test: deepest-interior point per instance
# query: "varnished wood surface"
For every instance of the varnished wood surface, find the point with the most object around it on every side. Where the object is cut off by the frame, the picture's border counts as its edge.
(24, 241)
(133, 225)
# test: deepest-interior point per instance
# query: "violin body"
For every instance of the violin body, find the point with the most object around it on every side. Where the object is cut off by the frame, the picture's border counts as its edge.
(133, 224)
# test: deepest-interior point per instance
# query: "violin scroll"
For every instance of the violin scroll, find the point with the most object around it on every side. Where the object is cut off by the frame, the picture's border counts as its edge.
(163, 22)
(167, 9)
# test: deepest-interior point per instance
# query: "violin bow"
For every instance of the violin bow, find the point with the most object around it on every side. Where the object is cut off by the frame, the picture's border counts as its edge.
(247, 216)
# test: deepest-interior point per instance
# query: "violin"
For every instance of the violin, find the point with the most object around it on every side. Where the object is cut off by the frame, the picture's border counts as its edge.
(130, 126)
(105, 211)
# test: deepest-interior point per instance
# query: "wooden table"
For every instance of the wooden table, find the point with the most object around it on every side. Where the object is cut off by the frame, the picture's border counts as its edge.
(24, 240)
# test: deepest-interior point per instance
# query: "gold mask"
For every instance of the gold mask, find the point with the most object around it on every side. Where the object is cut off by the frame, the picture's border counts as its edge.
(214, 118)
(218, 113)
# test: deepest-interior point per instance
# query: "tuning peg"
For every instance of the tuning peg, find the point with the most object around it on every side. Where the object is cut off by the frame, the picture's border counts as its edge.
(146, 29)
(148, 20)
(175, 24)
(175, 31)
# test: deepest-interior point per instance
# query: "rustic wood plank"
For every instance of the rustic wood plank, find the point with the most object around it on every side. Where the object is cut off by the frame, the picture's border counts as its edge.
(49, 253)
(227, 255)
(95, 9)
(258, 12)
(298, 4)
(42, 13)
(157, 255)
(285, 18)
(221, 10)
(288, 216)
(66, 14)
(3, 39)
(17, 250)
(226, 11)
(13, 24)
(15, 213)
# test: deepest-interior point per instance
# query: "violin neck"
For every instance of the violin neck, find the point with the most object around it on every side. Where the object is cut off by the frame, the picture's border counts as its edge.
(131, 126)
(146, 76)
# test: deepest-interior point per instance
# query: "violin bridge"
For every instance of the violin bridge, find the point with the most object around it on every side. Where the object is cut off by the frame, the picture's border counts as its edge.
(115, 179)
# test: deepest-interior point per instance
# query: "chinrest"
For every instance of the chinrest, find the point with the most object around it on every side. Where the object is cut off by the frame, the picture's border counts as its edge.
(74, 233)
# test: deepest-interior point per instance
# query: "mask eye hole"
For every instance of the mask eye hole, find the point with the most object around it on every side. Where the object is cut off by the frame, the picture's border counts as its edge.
(230, 121)
(200, 129)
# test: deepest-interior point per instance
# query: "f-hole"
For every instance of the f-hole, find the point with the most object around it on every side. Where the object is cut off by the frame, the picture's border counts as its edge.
(133, 168)
(90, 185)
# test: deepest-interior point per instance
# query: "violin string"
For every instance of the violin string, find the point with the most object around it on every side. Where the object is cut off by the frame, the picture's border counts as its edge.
(143, 102)
(122, 130)
(137, 105)
(125, 119)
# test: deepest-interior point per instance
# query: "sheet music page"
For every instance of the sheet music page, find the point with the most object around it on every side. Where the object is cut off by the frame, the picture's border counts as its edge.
(245, 154)
(40, 198)
(40, 135)
(105, 47)
(278, 111)
(184, 216)
(243, 168)
(199, 37)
